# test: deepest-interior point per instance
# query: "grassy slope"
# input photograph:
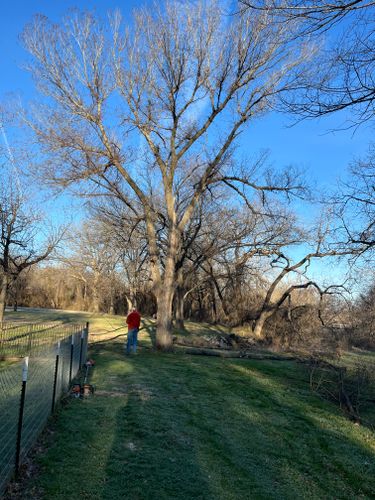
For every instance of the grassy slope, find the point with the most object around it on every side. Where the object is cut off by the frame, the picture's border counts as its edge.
(179, 426)
(174, 426)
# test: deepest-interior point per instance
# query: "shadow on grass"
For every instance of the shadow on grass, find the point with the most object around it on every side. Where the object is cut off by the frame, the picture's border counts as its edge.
(173, 426)
(206, 429)
(290, 443)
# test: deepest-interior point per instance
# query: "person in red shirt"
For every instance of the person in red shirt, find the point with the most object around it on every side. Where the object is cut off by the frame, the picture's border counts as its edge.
(133, 321)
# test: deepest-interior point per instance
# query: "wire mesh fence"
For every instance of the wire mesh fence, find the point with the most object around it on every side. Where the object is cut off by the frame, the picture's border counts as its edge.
(23, 339)
(31, 385)
(10, 393)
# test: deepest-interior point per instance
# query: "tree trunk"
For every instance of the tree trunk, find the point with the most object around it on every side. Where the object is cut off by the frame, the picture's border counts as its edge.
(259, 323)
(112, 304)
(200, 305)
(95, 297)
(213, 304)
(129, 303)
(131, 298)
(96, 292)
(179, 308)
(3, 296)
(165, 294)
(56, 301)
(164, 300)
(79, 302)
(95, 306)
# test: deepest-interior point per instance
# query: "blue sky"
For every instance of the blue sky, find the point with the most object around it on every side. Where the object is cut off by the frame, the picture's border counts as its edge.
(15, 80)
(324, 155)
(309, 144)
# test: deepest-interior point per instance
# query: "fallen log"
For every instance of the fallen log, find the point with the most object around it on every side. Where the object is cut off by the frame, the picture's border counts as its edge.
(237, 354)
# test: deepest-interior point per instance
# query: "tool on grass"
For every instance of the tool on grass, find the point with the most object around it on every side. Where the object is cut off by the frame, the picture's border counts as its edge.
(85, 389)
(76, 390)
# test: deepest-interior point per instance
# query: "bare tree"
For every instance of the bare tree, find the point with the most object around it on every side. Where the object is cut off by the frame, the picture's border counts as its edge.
(91, 259)
(19, 249)
(345, 76)
(356, 207)
(316, 16)
(229, 247)
(150, 114)
(276, 296)
(364, 319)
(345, 79)
(128, 237)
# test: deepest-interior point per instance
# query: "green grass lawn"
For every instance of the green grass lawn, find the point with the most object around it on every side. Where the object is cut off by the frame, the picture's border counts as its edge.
(174, 426)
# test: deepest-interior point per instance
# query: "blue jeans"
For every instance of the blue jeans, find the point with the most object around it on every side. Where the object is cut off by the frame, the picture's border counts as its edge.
(132, 340)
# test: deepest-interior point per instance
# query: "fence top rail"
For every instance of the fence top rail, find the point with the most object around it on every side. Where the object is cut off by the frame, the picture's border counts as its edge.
(9, 325)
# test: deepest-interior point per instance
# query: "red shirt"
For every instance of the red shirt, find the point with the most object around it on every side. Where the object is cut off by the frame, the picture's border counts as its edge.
(133, 320)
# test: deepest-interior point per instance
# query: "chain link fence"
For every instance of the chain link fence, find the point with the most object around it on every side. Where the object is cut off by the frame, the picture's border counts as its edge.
(32, 383)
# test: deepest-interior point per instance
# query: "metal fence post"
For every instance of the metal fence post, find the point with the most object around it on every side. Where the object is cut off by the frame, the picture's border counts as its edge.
(86, 339)
(30, 339)
(55, 376)
(25, 369)
(84, 343)
(71, 357)
(81, 349)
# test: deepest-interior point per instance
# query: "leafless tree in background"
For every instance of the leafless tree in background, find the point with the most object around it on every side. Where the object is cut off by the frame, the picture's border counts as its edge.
(19, 246)
(356, 207)
(128, 238)
(226, 239)
(258, 255)
(279, 292)
(365, 319)
(92, 259)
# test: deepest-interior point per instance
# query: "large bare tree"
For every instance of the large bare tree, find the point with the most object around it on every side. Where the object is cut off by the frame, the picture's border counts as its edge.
(150, 114)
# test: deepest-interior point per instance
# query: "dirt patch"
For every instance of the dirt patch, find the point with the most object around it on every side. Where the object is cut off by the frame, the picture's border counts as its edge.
(115, 394)
(144, 393)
